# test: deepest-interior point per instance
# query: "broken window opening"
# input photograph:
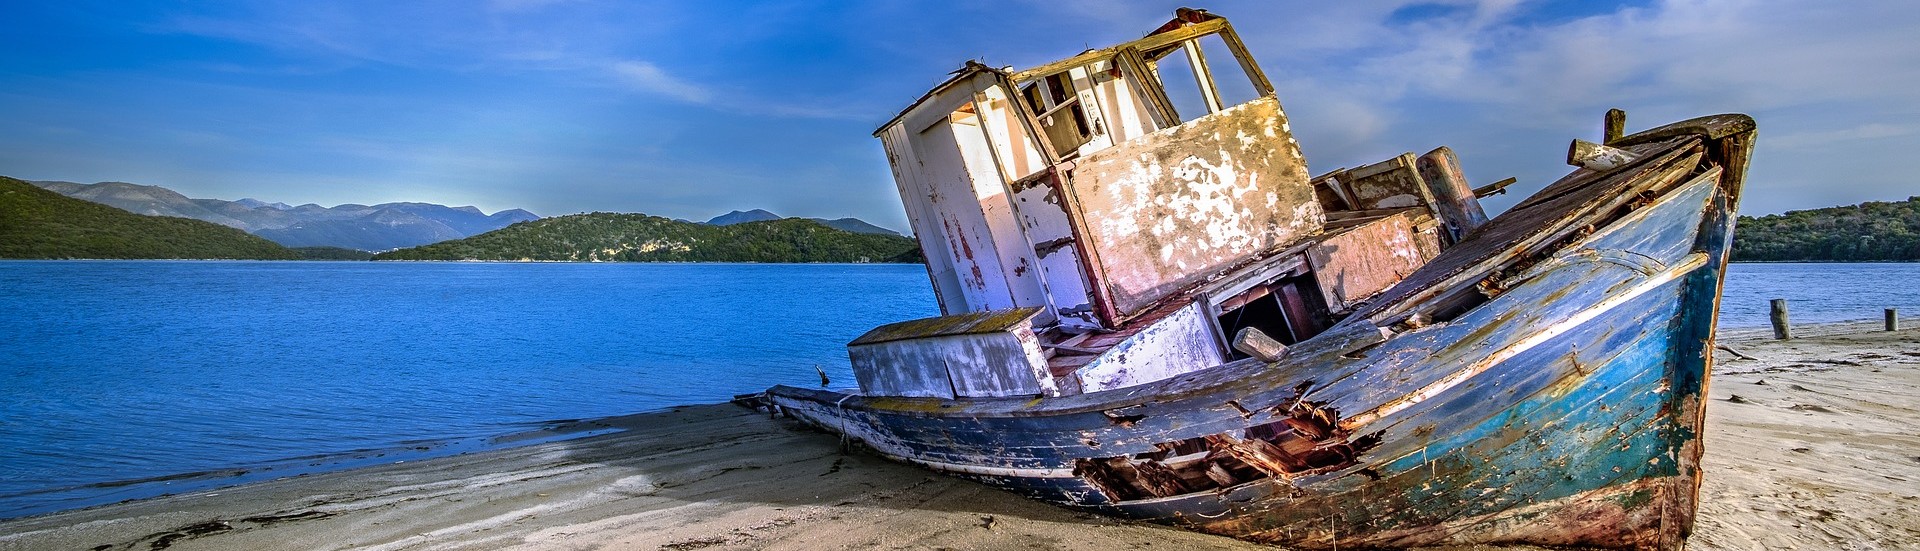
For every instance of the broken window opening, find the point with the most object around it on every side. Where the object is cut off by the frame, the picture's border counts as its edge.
(1219, 58)
(1057, 107)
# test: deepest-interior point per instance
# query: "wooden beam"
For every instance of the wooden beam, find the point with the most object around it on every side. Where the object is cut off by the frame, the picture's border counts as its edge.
(1495, 188)
(1615, 127)
(1152, 42)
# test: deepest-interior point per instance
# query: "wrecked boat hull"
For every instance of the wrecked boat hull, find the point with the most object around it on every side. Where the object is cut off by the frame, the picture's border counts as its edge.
(1565, 410)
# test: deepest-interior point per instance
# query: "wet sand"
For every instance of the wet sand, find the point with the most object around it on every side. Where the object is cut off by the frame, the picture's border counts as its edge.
(1819, 450)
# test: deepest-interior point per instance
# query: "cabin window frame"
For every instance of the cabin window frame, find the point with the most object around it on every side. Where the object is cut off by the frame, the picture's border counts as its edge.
(1137, 63)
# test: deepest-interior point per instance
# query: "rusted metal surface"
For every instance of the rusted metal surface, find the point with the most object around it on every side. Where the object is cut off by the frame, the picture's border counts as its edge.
(1165, 211)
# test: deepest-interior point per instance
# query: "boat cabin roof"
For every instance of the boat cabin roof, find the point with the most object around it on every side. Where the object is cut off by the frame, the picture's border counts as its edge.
(1187, 25)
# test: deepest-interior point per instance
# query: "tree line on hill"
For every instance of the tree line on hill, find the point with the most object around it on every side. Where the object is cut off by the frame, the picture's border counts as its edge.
(1874, 231)
(622, 237)
(37, 223)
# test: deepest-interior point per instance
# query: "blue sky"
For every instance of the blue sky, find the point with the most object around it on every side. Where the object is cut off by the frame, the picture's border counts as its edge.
(689, 109)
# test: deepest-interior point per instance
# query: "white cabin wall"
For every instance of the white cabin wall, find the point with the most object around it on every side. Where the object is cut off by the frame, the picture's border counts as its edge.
(1060, 267)
(962, 223)
(926, 226)
(1010, 243)
(1126, 117)
(1009, 136)
(1182, 342)
(1040, 215)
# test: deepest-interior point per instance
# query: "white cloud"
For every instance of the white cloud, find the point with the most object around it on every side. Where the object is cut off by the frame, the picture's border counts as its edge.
(1501, 81)
(647, 77)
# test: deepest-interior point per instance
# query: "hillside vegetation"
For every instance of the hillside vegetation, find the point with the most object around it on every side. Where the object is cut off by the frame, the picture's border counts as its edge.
(604, 236)
(37, 223)
(1871, 231)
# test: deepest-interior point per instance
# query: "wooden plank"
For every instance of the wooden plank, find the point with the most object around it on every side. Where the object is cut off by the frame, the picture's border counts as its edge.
(1151, 42)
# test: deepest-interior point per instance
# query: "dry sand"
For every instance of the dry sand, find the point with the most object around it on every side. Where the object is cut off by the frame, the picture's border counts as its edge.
(1819, 451)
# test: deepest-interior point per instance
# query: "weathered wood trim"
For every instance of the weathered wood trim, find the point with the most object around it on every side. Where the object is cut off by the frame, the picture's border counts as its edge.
(1145, 84)
(1203, 75)
(1028, 121)
(1151, 42)
(1261, 85)
(1712, 127)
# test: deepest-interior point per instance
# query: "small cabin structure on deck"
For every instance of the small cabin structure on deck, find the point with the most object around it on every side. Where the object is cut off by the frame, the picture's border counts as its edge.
(1126, 214)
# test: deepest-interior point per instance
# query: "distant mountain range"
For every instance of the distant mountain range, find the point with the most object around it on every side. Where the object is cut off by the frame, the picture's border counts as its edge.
(38, 223)
(619, 237)
(854, 225)
(370, 228)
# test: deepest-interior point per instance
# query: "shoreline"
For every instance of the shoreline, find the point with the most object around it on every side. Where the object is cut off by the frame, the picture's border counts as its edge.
(1808, 445)
(82, 497)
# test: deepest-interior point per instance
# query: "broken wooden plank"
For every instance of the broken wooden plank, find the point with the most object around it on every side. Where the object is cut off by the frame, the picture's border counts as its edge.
(1596, 157)
(1254, 342)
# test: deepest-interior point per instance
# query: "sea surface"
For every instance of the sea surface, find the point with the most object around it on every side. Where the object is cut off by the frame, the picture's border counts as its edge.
(129, 379)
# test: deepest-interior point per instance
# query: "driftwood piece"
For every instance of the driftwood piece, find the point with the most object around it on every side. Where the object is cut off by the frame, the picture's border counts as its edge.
(1453, 199)
(1735, 353)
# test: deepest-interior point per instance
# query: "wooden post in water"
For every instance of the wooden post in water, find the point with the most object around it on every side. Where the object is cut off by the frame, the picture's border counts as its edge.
(1893, 319)
(1780, 329)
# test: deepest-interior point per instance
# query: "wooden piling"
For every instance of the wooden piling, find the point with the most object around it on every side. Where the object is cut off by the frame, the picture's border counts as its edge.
(1893, 319)
(1780, 329)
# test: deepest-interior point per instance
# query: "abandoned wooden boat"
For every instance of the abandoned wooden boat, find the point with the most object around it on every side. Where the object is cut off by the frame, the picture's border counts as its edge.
(1152, 311)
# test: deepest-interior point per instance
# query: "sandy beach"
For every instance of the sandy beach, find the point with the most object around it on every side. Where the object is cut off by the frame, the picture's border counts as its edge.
(1811, 444)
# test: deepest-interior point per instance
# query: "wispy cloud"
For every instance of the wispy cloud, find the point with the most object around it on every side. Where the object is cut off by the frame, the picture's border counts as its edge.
(647, 77)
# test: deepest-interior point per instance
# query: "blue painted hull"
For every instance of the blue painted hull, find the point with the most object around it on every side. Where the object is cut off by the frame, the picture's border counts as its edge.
(1565, 410)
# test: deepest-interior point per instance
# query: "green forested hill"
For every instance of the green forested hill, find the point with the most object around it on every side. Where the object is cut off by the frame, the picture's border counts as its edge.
(604, 236)
(1870, 231)
(37, 223)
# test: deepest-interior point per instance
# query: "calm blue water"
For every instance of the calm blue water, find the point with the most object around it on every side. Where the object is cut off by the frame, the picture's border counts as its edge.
(128, 370)
(118, 371)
